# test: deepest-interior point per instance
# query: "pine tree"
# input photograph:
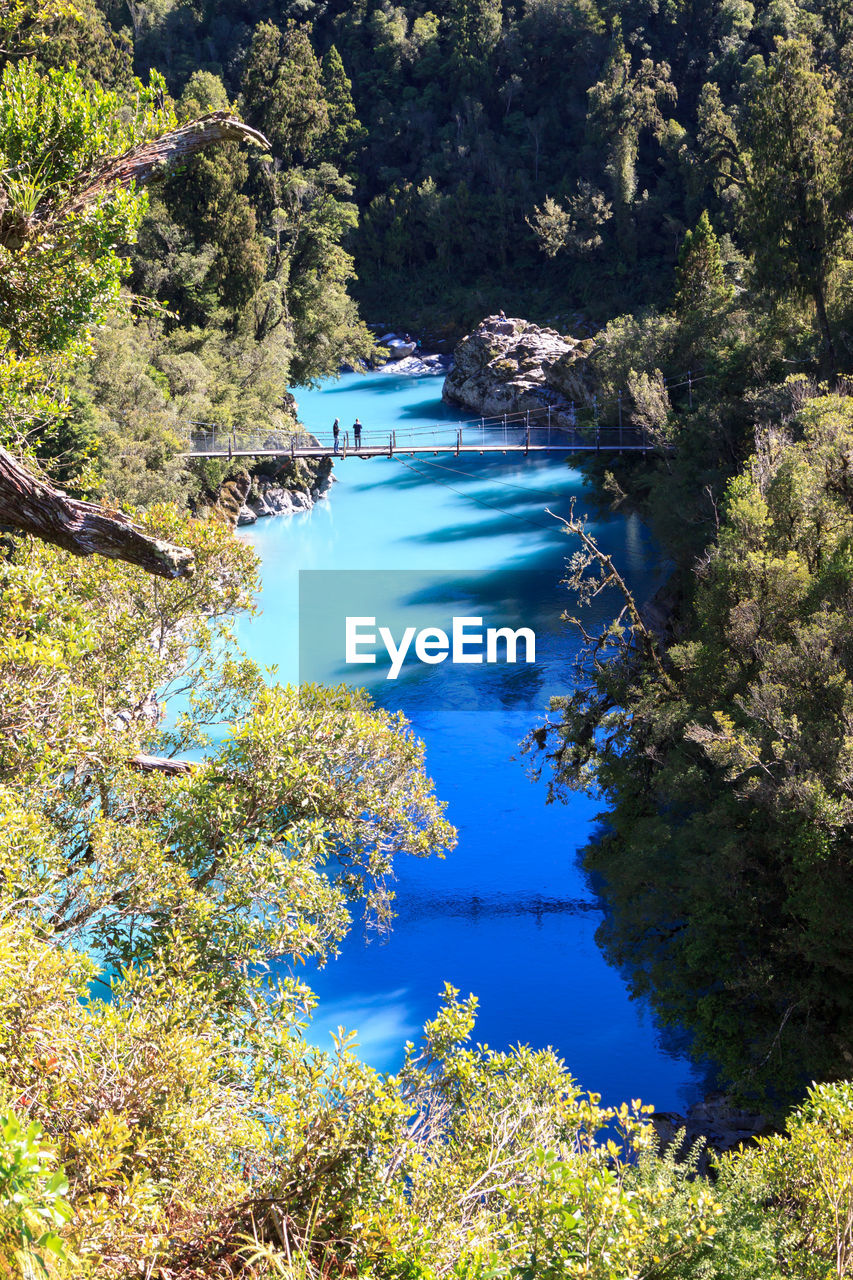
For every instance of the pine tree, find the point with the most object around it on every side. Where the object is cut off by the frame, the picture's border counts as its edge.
(345, 129)
(701, 283)
(283, 91)
(799, 192)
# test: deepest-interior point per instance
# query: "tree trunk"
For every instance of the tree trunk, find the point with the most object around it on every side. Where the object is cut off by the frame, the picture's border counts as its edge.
(825, 331)
(160, 764)
(31, 505)
(149, 161)
(141, 165)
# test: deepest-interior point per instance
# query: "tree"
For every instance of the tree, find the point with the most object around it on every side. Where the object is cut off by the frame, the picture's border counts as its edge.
(249, 830)
(345, 131)
(700, 281)
(622, 105)
(575, 224)
(68, 204)
(724, 761)
(789, 165)
(282, 91)
(800, 191)
(473, 31)
(200, 249)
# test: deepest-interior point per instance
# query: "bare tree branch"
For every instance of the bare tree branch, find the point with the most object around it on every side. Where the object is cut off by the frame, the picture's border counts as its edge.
(143, 164)
(610, 576)
(31, 505)
(159, 764)
(149, 161)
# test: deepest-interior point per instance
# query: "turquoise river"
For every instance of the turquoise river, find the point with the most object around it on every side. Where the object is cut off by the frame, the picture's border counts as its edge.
(508, 915)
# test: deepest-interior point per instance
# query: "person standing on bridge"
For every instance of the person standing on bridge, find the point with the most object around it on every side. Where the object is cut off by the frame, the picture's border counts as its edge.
(336, 432)
(356, 430)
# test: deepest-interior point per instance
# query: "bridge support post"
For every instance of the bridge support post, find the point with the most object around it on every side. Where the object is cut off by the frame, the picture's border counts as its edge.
(527, 440)
(458, 441)
(390, 444)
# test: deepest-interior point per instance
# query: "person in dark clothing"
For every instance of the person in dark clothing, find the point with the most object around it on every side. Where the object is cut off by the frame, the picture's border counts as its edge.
(356, 430)
(336, 431)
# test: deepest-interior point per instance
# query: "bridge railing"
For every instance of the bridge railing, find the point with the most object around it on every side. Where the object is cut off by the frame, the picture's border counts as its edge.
(602, 423)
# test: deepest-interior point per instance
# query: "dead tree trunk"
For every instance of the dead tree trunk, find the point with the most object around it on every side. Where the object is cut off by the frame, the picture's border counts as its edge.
(31, 505)
(150, 161)
(141, 165)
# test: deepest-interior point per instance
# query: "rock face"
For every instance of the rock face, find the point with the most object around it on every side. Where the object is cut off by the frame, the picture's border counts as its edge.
(510, 366)
(721, 1125)
(231, 499)
(295, 486)
(288, 486)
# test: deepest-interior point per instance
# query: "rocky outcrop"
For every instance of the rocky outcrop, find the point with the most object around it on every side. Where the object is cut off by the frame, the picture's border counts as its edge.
(295, 485)
(230, 500)
(275, 488)
(417, 365)
(510, 366)
(716, 1121)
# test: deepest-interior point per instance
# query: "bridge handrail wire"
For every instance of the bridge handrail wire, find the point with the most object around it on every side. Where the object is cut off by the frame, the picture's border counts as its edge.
(234, 439)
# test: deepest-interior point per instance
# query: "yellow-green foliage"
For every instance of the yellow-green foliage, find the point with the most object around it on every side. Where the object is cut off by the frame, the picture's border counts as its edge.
(808, 1174)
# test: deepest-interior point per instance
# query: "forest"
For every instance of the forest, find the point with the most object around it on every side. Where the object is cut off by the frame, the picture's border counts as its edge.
(203, 208)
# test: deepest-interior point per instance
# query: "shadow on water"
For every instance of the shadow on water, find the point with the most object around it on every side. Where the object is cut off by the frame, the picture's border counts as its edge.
(475, 907)
(674, 1038)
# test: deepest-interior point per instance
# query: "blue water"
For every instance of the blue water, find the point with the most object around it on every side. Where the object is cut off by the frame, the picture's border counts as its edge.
(507, 915)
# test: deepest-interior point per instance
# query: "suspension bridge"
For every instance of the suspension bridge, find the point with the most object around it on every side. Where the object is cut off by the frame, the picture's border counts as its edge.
(527, 433)
(567, 429)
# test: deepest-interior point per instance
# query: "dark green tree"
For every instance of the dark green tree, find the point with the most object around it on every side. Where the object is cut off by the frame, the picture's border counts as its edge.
(473, 30)
(701, 285)
(623, 104)
(282, 91)
(800, 191)
(345, 131)
(725, 764)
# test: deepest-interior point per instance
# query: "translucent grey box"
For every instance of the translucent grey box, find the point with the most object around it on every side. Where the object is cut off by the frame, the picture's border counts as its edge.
(412, 637)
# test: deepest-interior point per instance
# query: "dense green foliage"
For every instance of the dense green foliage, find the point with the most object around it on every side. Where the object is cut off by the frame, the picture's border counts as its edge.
(560, 156)
(162, 1108)
(724, 762)
(611, 120)
(720, 743)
